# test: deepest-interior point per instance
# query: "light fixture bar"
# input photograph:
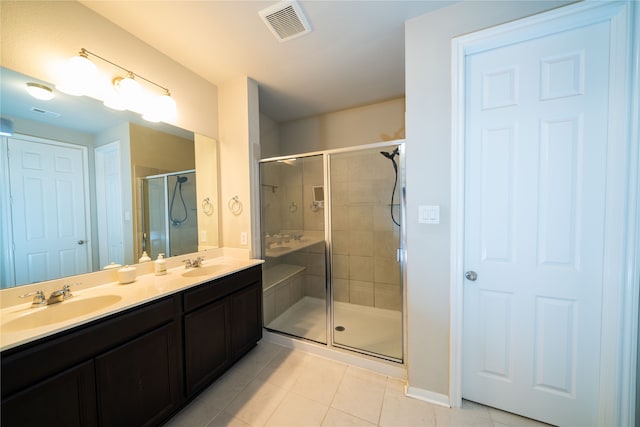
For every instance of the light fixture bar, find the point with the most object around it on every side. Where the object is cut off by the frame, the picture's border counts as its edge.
(85, 52)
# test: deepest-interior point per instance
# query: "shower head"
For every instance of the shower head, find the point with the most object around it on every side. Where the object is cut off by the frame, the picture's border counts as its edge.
(182, 179)
(390, 155)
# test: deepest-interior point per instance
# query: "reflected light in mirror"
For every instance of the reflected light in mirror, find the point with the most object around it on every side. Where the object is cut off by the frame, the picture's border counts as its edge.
(39, 91)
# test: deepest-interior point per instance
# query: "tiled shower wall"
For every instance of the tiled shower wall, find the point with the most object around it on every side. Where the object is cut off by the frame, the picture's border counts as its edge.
(364, 237)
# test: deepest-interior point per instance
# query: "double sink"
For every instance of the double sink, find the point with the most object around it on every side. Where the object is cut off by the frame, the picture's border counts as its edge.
(31, 318)
(102, 300)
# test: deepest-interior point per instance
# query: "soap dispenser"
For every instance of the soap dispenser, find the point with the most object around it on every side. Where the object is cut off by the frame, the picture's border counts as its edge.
(160, 265)
(144, 257)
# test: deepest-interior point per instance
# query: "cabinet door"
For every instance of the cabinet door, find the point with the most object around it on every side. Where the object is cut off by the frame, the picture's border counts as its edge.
(207, 343)
(66, 400)
(139, 382)
(246, 319)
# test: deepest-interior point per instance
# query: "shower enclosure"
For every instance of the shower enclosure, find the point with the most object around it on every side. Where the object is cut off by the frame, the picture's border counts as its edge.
(169, 210)
(332, 234)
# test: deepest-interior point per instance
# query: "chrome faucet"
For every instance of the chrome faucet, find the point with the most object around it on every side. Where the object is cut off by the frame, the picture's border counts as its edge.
(60, 295)
(55, 297)
(38, 299)
(193, 264)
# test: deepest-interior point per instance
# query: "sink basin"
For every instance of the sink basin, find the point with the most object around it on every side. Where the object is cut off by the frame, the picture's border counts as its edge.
(205, 271)
(60, 312)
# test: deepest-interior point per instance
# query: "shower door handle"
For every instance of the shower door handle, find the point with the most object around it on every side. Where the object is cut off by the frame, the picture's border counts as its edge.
(81, 242)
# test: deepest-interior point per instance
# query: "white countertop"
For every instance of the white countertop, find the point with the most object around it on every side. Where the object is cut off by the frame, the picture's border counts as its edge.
(146, 288)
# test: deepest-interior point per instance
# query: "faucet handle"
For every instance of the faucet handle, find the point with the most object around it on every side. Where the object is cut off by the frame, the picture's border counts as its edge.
(66, 292)
(38, 299)
(187, 263)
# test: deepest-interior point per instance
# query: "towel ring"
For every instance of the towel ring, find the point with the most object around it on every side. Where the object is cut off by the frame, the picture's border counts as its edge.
(207, 207)
(293, 207)
(235, 205)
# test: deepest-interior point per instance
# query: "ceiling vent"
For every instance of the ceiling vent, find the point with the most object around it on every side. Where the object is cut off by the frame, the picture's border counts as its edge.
(45, 112)
(285, 20)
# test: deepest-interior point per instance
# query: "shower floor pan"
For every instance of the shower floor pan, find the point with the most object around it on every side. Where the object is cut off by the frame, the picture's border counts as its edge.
(371, 329)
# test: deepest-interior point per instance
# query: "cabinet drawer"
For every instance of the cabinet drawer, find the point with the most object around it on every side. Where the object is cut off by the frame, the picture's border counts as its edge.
(216, 289)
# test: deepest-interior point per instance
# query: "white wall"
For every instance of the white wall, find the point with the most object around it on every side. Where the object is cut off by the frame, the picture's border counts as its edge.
(428, 144)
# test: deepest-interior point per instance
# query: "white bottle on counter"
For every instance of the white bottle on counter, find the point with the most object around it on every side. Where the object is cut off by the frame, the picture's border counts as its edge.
(144, 257)
(160, 265)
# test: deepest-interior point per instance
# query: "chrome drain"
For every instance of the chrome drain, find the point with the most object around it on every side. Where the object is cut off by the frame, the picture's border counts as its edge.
(339, 328)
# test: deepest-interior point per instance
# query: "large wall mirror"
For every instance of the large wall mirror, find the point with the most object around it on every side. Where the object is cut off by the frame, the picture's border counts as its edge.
(84, 186)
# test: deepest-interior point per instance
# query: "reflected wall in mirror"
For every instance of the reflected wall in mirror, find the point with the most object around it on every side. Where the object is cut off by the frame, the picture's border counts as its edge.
(71, 198)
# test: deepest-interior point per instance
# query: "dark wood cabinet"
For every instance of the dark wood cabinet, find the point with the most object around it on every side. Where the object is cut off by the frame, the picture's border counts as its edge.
(246, 319)
(206, 344)
(138, 382)
(222, 323)
(67, 399)
(137, 367)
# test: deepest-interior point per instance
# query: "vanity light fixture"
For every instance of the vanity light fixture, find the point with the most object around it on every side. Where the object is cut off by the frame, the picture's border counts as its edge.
(40, 91)
(79, 76)
(124, 91)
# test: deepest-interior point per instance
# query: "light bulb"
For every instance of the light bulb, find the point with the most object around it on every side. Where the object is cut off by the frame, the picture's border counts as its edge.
(129, 91)
(79, 75)
(113, 100)
(161, 108)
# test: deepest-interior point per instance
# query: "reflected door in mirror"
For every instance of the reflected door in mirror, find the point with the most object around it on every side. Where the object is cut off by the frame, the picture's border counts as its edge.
(48, 209)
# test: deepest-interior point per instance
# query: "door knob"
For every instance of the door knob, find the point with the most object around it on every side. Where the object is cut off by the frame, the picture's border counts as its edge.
(81, 242)
(471, 275)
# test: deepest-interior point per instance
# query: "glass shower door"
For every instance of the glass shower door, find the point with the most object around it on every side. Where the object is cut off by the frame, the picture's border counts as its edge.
(169, 219)
(365, 237)
(293, 246)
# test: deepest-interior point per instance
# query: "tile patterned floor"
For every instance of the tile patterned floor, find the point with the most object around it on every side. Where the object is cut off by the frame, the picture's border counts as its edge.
(274, 386)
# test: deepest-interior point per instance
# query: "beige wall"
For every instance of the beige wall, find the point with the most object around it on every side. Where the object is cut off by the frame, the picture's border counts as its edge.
(428, 146)
(345, 128)
(269, 137)
(238, 101)
(38, 37)
(206, 150)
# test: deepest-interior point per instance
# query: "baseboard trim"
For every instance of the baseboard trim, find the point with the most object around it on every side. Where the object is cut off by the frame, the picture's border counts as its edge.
(427, 396)
(391, 369)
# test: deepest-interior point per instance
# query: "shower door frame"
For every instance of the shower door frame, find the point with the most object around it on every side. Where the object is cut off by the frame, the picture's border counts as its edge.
(401, 252)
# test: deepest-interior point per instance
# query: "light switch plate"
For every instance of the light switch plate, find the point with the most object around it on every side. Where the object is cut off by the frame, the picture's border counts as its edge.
(428, 214)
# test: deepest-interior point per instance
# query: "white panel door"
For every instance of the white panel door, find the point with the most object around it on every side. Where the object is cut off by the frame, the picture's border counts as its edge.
(535, 175)
(109, 204)
(48, 210)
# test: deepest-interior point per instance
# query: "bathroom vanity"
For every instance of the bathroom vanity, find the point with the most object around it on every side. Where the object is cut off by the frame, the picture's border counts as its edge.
(138, 366)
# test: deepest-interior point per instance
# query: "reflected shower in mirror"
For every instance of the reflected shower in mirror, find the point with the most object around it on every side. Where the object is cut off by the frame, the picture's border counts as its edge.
(71, 197)
(169, 222)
